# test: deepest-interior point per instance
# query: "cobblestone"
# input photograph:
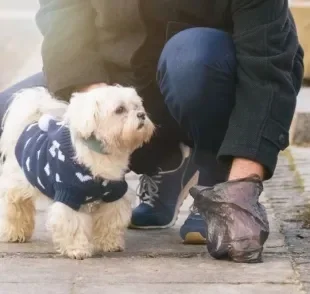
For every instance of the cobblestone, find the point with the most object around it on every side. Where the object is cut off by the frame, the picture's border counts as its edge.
(293, 171)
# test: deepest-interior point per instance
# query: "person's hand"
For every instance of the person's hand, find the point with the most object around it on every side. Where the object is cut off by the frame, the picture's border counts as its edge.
(90, 87)
(237, 224)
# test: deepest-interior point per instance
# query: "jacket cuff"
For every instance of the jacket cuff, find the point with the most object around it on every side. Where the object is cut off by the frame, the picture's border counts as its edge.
(266, 155)
(264, 149)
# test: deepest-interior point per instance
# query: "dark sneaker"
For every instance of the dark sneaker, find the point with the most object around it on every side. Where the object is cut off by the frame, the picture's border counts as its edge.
(193, 231)
(162, 195)
(237, 224)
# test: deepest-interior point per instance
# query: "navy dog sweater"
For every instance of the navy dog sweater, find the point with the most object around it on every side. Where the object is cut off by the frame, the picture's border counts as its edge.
(47, 158)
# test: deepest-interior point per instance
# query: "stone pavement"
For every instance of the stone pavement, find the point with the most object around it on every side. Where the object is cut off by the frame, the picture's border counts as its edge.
(288, 195)
(155, 261)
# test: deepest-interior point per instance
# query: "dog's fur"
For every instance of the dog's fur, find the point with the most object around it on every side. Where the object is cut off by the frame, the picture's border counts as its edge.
(108, 113)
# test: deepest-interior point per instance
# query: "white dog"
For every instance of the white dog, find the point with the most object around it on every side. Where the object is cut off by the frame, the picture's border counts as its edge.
(104, 126)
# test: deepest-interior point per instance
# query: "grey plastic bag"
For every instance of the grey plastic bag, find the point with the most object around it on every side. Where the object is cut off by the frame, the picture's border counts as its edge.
(237, 224)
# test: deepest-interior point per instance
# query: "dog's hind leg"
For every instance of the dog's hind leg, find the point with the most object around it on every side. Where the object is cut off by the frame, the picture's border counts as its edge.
(17, 216)
(110, 221)
(71, 231)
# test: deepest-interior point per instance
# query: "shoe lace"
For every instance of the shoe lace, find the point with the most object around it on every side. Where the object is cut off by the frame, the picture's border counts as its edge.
(193, 210)
(148, 189)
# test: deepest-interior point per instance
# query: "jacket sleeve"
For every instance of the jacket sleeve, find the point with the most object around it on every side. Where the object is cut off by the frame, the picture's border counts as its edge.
(267, 49)
(69, 48)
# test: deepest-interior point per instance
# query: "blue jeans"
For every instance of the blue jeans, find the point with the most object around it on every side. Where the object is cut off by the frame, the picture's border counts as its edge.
(193, 99)
(197, 78)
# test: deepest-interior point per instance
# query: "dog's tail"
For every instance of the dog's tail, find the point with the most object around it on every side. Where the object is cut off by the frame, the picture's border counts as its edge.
(27, 107)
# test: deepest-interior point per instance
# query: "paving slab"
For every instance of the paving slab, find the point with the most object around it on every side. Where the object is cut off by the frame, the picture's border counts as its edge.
(145, 270)
(35, 288)
(133, 288)
(185, 289)
(139, 242)
(154, 261)
(145, 276)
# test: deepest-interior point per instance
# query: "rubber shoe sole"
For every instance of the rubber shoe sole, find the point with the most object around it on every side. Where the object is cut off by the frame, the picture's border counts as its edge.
(194, 238)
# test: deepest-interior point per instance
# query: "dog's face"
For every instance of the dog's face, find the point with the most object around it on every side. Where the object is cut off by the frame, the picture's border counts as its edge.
(113, 114)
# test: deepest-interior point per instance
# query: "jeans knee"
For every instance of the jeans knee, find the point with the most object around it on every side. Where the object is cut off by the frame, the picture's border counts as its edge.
(193, 49)
(191, 63)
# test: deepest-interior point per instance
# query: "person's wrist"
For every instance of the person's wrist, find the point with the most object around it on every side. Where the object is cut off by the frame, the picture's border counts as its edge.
(242, 168)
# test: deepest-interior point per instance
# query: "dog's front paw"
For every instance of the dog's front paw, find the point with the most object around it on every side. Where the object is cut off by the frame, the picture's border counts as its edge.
(79, 254)
(11, 234)
(117, 249)
(104, 249)
(112, 246)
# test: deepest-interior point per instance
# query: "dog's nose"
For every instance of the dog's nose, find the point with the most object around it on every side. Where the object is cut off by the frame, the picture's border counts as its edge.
(141, 115)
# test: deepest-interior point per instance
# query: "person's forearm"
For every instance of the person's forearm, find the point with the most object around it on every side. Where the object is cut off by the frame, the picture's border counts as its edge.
(242, 168)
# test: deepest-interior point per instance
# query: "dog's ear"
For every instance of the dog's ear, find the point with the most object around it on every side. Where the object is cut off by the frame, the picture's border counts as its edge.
(82, 114)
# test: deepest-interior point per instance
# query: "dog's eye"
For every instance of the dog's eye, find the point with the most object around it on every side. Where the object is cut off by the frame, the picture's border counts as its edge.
(120, 110)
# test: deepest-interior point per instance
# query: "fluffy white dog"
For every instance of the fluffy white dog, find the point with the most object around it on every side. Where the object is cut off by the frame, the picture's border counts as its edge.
(104, 126)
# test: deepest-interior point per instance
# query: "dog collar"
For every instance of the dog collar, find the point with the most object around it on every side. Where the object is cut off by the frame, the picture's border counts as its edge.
(95, 145)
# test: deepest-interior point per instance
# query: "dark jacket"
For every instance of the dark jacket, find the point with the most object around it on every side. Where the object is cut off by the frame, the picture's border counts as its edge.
(89, 41)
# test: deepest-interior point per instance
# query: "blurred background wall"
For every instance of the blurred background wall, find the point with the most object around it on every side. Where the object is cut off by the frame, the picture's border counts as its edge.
(301, 12)
(20, 41)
